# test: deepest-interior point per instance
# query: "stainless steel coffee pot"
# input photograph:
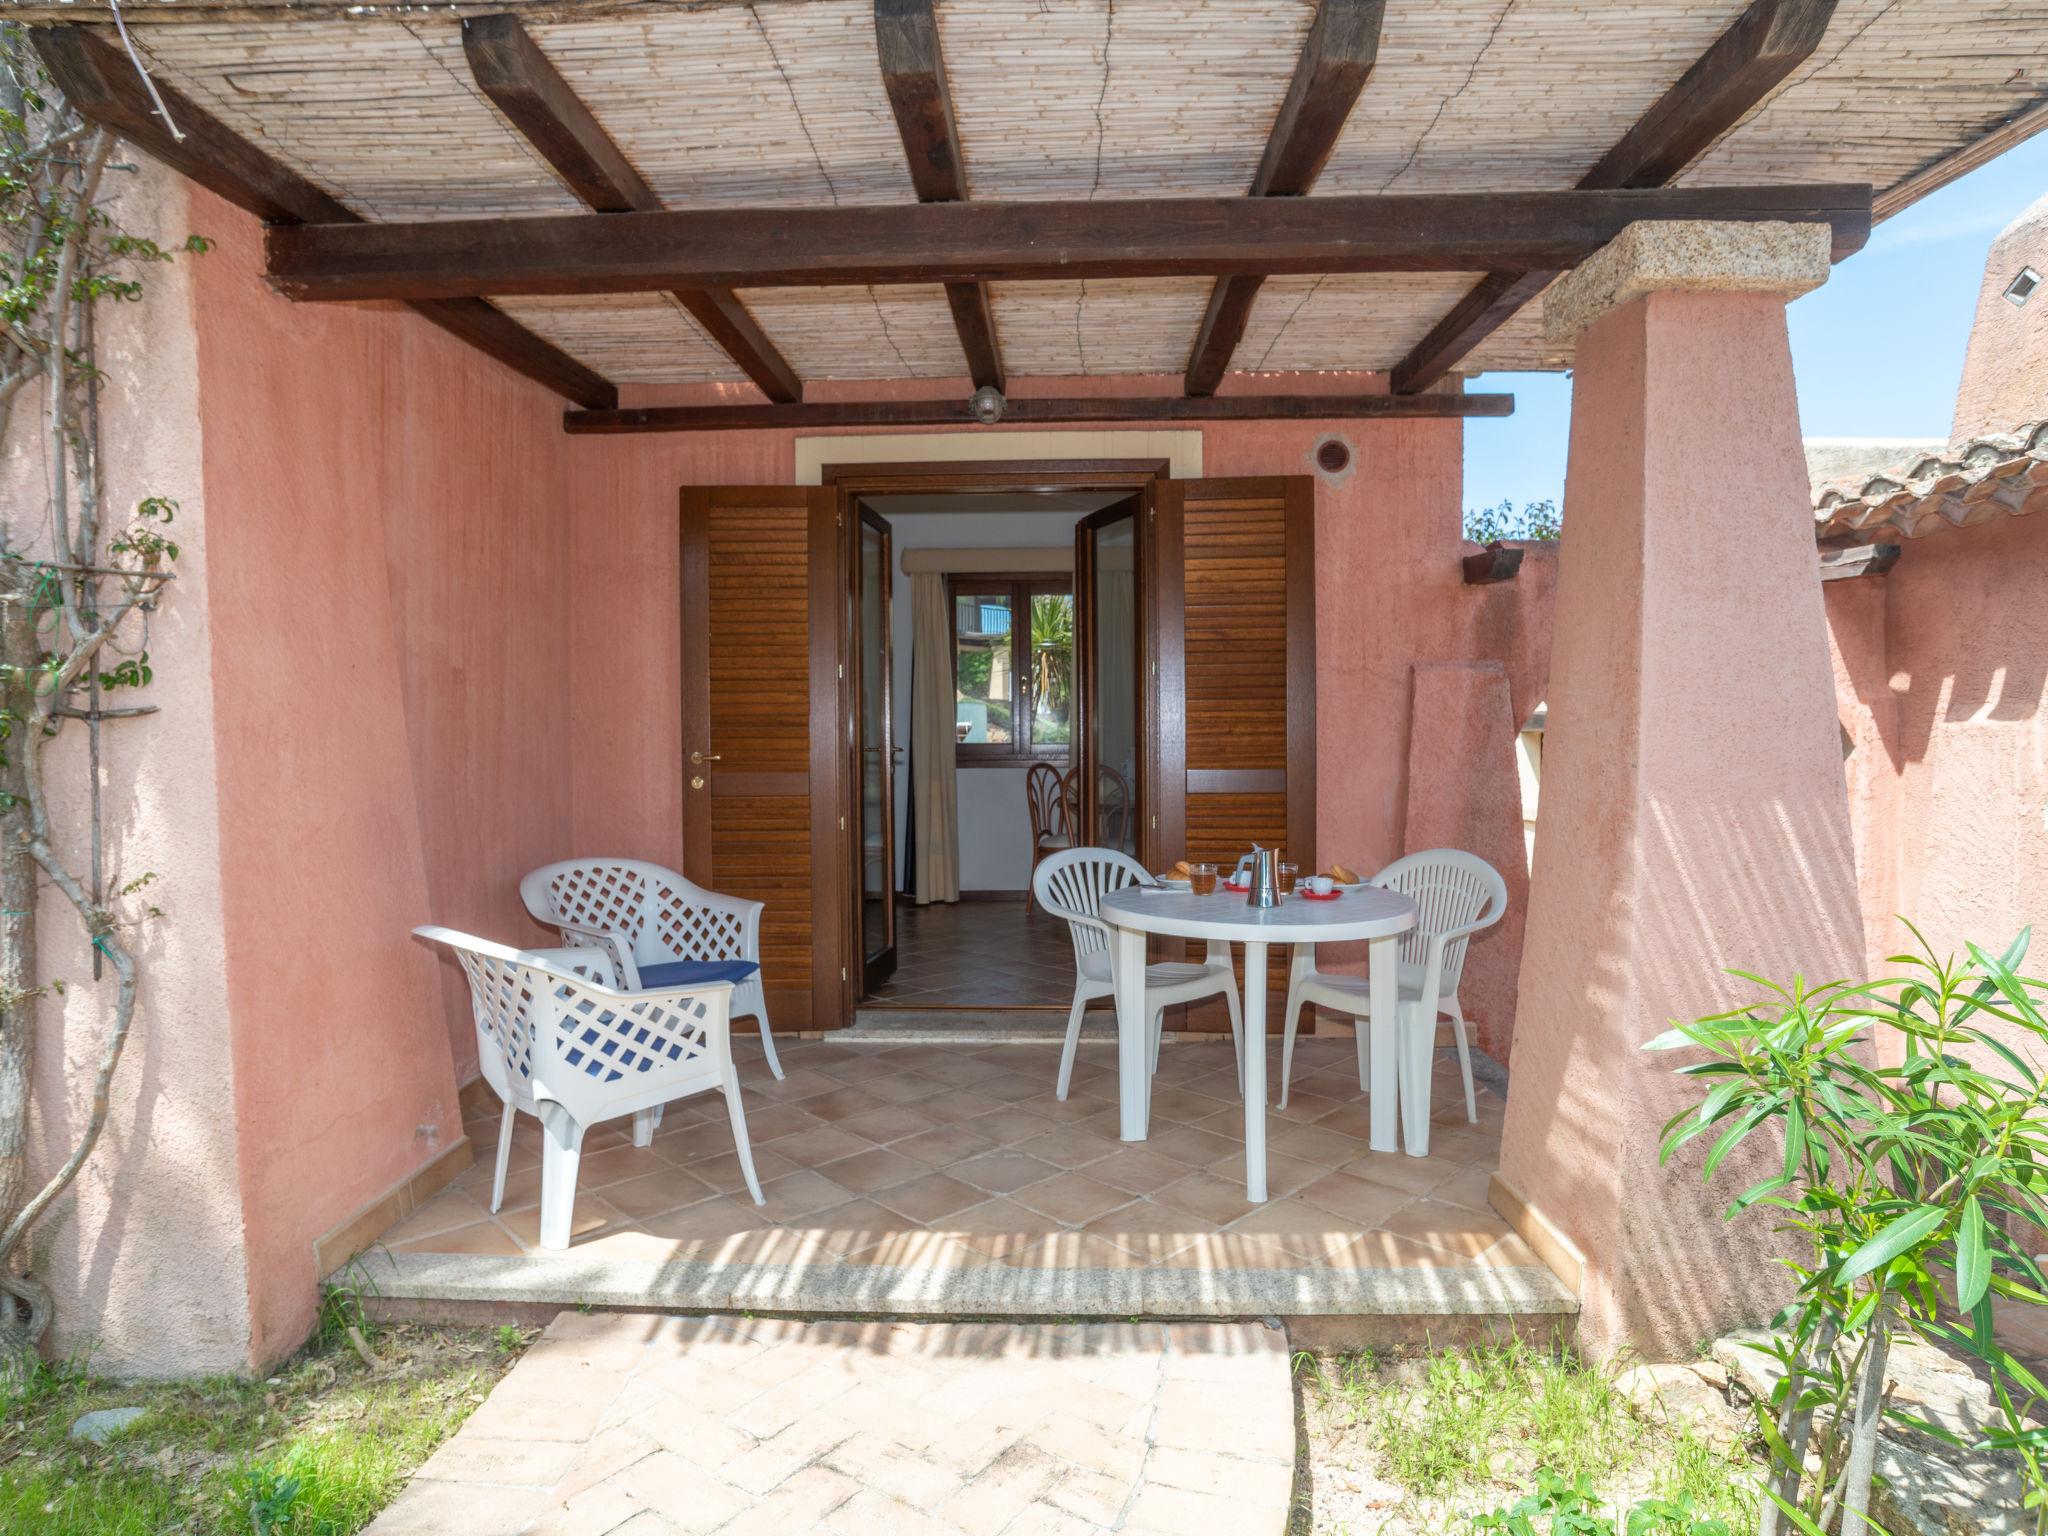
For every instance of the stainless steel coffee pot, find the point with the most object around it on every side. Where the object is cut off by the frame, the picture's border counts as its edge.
(1265, 878)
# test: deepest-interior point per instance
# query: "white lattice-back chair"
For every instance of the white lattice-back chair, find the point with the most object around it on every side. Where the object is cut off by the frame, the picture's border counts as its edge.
(1071, 885)
(558, 1040)
(1456, 895)
(660, 929)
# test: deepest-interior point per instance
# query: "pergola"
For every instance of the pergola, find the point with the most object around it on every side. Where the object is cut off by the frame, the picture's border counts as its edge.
(791, 224)
(692, 198)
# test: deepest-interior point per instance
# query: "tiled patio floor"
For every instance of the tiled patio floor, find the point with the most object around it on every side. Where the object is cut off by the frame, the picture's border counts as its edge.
(979, 954)
(956, 1167)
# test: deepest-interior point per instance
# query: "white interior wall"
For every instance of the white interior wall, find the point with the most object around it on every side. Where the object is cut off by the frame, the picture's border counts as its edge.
(995, 827)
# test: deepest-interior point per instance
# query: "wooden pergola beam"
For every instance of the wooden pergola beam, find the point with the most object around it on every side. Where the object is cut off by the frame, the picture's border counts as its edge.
(1745, 64)
(524, 84)
(1336, 61)
(914, 74)
(98, 80)
(950, 413)
(993, 242)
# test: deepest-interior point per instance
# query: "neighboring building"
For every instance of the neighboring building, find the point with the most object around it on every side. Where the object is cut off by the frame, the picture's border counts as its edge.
(1942, 663)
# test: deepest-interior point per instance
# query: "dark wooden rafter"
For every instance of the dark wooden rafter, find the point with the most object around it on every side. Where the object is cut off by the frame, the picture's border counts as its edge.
(914, 73)
(1497, 562)
(524, 84)
(991, 242)
(1336, 62)
(1745, 64)
(950, 413)
(100, 82)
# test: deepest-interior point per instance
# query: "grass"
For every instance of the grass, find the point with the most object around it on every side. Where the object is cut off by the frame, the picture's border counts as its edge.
(1461, 1432)
(315, 1450)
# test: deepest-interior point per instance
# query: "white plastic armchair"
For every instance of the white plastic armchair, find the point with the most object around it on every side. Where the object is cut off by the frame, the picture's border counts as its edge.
(1071, 885)
(557, 1040)
(658, 928)
(1456, 895)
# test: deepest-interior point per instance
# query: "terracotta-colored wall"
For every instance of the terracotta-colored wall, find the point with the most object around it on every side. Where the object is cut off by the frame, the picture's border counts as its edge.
(386, 520)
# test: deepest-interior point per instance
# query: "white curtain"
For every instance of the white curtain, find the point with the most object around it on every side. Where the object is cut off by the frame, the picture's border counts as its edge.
(934, 780)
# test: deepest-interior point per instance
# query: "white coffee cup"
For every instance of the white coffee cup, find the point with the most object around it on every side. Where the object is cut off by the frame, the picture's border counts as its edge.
(1322, 885)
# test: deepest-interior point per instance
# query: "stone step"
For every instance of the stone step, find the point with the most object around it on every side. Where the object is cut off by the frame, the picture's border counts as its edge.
(659, 1425)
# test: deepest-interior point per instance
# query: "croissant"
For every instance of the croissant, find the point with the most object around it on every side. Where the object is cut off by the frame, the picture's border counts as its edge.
(1343, 875)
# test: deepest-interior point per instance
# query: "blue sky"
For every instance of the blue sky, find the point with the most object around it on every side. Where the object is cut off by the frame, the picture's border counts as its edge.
(1877, 352)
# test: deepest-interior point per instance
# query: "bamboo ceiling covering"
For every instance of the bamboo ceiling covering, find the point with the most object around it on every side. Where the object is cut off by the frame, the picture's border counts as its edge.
(780, 102)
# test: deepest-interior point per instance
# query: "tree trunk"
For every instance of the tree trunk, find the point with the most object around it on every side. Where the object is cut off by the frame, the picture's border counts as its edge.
(1863, 1429)
(20, 654)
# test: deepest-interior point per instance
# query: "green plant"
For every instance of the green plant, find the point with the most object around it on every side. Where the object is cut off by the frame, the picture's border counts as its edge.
(1535, 520)
(509, 1338)
(1568, 1507)
(1913, 1148)
(1052, 650)
(269, 1495)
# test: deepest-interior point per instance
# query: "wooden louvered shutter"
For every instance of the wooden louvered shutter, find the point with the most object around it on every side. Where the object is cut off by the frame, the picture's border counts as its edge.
(760, 581)
(1232, 628)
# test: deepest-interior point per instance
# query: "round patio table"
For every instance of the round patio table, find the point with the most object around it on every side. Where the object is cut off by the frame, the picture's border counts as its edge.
(1377, 916)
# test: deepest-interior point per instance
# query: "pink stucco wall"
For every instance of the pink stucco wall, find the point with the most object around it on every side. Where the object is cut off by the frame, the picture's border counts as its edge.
(1948, 704)
(1694, 816)
(390, 667)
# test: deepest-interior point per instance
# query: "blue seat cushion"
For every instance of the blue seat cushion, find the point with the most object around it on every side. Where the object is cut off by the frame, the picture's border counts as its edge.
(693, 973)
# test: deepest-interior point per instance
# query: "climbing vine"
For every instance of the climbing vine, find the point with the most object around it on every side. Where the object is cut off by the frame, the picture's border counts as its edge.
(77, 590)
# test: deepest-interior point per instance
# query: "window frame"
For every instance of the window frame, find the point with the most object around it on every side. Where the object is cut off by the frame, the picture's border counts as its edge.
(1021, 587)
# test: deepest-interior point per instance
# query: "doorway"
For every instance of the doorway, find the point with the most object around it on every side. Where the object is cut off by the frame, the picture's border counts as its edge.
(997, 652)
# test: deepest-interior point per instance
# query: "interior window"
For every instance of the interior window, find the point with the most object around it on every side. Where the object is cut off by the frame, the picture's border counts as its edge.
(1013, 667)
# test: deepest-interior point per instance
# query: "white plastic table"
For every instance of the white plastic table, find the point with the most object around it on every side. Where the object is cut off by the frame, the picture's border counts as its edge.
(1377, 916)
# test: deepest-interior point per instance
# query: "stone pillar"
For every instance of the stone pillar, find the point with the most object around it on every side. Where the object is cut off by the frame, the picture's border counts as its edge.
(1694, 816)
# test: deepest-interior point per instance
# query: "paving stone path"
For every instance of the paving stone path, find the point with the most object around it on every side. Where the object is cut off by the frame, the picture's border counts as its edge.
(643, 1424)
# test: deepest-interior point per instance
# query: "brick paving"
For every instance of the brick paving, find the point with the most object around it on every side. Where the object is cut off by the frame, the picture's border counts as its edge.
(953, 1158)
(644, 1425)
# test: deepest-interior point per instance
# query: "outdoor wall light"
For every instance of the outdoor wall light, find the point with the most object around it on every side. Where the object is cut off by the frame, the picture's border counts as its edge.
(987, 403)
(2021, 288)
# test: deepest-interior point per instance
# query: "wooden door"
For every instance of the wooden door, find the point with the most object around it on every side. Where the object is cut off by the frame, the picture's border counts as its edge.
(762, 723)
(875, 738)
(1109, 664)
(1231, 619)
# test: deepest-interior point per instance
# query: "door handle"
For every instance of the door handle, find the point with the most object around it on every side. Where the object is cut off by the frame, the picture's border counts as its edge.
(701, 757)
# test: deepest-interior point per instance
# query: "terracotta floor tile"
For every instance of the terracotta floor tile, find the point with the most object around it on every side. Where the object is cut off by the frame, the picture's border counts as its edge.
(1356, 1200)
(945, 1145)
(1063, 1111)
(1002, 1172)
(589, 1215)
(1018, 1087)
(890, 1123)
(851, 1228)
(817, 1146)
(481, 1237)
(653, 1193)
(876, 1168)
(1073, 1199)
(1240, 1250)
(1385, 1250)
(931, 1198)
(1190, 1148)
(1398, 1170)
(1133, 1166)
(1314, 1144)
(996, 1227)
(1305, 1106)
(1511, 1253)
(903, 1088)
(840, 1102)
(1469, 1188)
(595, 1170)
(1308, 1232)
(799, 1194)
(773, 1120)
(1284, 1174)
(1069, 1148)
(959, 1106)
(1450, 1227)
(450, 1209)
(906, 1247)
(708, 1231)
(1154, 1232)
(723, 1172)
(1008, 1126)
(1204, 1195)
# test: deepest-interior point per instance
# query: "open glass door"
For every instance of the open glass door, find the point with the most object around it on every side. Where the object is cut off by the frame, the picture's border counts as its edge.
(877, 759)
(1106, 754)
